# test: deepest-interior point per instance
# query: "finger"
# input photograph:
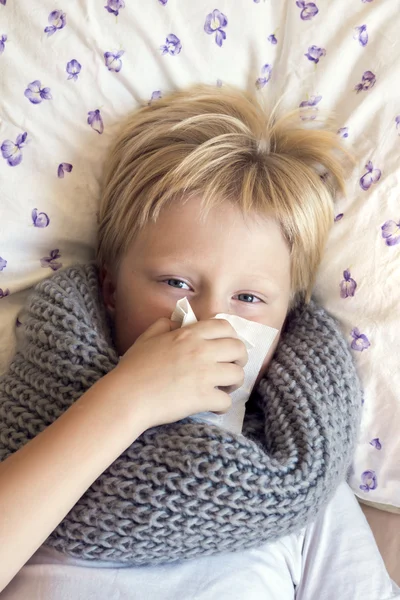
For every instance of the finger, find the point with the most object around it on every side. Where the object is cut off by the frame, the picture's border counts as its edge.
(229, 389)
(228, 350)
(211, 329)
(175, 325)
(227, 374)
(221, 402)
(160, 326)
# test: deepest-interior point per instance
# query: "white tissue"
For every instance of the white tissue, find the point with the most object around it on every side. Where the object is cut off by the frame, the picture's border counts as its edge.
(257, 338)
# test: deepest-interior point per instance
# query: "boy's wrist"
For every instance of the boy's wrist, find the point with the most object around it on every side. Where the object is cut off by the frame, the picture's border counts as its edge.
(123, 410)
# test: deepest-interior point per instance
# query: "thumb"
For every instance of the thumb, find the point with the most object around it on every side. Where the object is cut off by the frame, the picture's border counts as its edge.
(162, 325)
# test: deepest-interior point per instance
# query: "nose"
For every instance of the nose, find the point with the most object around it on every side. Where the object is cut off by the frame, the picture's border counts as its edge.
(207, 306)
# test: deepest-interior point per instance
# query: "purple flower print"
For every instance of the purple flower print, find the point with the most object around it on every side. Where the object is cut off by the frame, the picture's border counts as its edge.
(113, 60)
(391, 233)
(361, 35)
(348, 285)
(40, 220)
(397, 121)
(57, 20)
(360, 341)
(310, 108)
(3, 39)
(11, 151)
(266, 72)
(314, 54)
(3, 263)
(95, 120)
(371, 176)
(324, 176)
(114, 6)
(343, 132)
(308, 10)
(368, 81)
(271, 38)
(311, 102)
(156, 95)
(163, 2)
(376, 443)
(215, 22)
(369, 481)
(50, 261)
(172, 45)
(35, 93)
(338, 217)
(3, 2)
(63, 168)
(219, 83)
(365, 1)
(5, 293)
(73, 69)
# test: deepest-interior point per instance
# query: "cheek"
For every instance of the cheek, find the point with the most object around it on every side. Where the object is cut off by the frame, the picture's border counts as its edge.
(134, 313)
(130, 321)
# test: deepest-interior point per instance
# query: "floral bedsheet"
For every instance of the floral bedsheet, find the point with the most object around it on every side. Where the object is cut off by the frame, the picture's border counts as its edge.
(71, 69)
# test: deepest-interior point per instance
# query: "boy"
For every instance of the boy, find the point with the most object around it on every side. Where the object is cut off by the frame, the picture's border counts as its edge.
(204, 199)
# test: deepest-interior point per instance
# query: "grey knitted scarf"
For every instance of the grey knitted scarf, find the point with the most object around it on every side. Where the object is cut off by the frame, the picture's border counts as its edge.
(187, 489)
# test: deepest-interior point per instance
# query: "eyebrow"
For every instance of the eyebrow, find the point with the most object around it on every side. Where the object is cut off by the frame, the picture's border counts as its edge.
(265, 280)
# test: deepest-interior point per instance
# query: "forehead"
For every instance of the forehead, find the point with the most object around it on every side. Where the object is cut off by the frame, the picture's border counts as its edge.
(223, 237)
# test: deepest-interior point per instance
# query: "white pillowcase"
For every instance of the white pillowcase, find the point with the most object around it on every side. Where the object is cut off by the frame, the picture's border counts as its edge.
(70, 72)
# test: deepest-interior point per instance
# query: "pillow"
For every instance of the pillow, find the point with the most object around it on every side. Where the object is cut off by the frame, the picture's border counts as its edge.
(70, 72)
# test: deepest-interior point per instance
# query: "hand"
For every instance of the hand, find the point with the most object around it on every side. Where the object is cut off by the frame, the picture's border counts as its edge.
(171, 372)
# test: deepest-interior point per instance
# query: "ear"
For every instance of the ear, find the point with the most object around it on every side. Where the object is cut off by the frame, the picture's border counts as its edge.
(108, 288)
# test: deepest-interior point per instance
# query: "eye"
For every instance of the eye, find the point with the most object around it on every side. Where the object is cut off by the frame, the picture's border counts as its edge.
(249, 298)
(176, 283)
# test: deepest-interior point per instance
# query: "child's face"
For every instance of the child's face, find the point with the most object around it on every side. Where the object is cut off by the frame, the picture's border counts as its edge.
(225, 264)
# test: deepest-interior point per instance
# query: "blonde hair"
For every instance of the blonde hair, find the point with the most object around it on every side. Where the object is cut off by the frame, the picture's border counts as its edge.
(219, 143)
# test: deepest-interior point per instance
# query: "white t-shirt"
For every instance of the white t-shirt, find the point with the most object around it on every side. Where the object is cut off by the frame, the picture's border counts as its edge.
(336, 558)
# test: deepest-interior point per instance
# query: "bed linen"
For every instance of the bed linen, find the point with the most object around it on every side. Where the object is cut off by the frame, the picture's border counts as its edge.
(70, 70)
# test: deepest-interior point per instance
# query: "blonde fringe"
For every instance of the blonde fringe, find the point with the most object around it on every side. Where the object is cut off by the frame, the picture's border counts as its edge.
(221, 144)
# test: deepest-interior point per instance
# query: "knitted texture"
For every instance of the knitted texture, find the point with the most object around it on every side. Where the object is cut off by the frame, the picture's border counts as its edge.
(187, 489)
